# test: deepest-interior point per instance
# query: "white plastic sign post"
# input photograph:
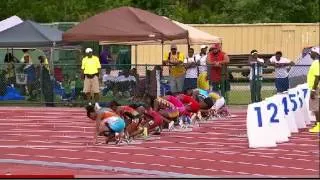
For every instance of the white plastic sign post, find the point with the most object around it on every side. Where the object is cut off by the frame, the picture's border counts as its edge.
(281, 115)
(288, 113)
(297, 103)
(259, 131)
(303, 90)
(275, 115)
(307, 113)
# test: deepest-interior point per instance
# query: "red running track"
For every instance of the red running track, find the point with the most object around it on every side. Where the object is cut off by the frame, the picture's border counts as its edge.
(58, 141)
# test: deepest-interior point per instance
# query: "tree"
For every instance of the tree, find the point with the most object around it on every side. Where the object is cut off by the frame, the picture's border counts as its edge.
(186, 11)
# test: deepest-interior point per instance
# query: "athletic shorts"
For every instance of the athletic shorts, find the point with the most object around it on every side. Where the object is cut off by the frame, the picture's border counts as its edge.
(116, 124)
(172, 113)
(156, 119)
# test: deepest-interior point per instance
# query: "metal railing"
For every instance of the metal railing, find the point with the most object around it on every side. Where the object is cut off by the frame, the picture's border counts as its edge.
(36, 85)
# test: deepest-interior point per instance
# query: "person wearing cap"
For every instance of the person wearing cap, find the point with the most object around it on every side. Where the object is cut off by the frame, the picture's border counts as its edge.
(91, 69)
(313, 84)
(203, 82)
(255, 76)
(191, 63)
(216, 59)
(281, 65)
(177, 71)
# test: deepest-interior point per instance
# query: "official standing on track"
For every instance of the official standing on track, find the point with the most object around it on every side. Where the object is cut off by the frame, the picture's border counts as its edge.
(91, 69)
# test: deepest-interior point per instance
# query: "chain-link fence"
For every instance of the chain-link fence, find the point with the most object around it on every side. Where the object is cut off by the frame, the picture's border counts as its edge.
(62, 85)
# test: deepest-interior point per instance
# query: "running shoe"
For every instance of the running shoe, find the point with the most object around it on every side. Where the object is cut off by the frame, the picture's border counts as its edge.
(316, 128)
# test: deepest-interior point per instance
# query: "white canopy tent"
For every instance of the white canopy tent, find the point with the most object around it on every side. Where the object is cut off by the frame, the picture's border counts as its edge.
(9, 22)
(298, 73)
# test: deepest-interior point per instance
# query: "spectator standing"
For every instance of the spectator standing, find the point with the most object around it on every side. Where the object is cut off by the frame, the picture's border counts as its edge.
(203, 82)
(313, 84)
(192, 73)
(10, 72)
(217, 59)
(255, 76)
(30, 71)
(91, 67)
(202, 56)
(177, 71)
(45, 82)
(281, 70)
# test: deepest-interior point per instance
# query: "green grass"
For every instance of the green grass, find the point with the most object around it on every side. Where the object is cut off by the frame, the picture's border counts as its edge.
(238, 97)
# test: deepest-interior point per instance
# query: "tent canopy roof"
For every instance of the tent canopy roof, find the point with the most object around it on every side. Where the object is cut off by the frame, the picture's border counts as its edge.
(125, 24)
(195, 37)
(29, 34)
(9, 22)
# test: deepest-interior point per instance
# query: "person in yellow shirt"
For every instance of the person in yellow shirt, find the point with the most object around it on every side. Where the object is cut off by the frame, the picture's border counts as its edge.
(313, 84)
(177, 71)
(91, 69)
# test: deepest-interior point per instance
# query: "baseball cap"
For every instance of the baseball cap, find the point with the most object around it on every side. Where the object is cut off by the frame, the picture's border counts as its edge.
(173, 46)
(254, 52)
(316, 50)
(215, 46)
(88, 50)
(203, 46)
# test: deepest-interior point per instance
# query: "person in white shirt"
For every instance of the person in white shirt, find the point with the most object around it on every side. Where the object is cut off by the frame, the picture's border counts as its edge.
(203, 82)
(202, 56)
(255, 76)
(191, 63)
(281, 65)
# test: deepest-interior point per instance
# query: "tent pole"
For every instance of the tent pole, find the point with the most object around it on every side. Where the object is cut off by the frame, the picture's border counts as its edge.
(136, 54)
(161, 51)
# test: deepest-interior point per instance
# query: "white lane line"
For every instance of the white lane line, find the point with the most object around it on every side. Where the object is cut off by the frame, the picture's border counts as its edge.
(22, 155)
(265, 165)
(99, 152)
(244, 173)
(158, 165)
(271, 157)
(195, 168)
(148, 155)
(70, 150)
(226, 161)
(189, 158)
(9, 140)
(311, 170)
(97, 160)
(210, 170)
(167, 156)
(295, 168)
(248, 155)
(303, 160)
(38, 148)
(122, 162)
(119, 153)
(277, 166)
(226, 171)
(71, 158)
(139, 163)
(174, 166)
(284, 158)
(243, 163)
(43, 156)
(212, 160)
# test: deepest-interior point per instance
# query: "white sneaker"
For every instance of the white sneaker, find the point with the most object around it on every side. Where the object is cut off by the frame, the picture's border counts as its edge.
(171, 126)
(97, 106)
